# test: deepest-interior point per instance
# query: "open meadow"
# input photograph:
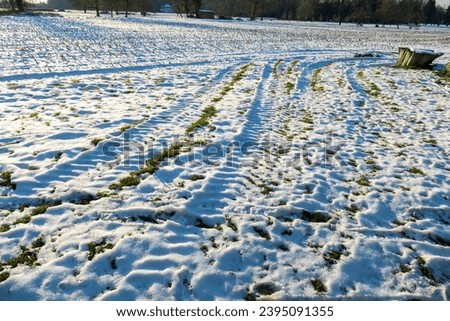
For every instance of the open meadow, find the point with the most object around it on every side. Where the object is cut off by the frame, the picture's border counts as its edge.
(161, 158)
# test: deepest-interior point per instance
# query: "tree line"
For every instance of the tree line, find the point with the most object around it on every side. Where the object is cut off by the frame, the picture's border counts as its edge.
(411, 12)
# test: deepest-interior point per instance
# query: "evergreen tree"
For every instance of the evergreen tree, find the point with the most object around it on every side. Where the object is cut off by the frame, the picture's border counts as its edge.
(429, 11)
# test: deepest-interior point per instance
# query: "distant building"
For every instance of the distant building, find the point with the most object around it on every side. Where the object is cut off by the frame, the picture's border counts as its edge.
(206, 14)
(166, 8)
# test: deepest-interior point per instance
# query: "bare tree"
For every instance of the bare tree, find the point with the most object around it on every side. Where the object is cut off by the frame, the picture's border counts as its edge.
(430, 10)
(127, 7)
(307, 10)
(253, 7)
(13, 5)
(447, 16)
(81, 4)
(197, 5)
(182, 5)
(388, 12)
(20, 6)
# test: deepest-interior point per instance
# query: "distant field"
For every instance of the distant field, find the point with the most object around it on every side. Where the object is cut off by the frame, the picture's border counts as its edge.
(161, 158)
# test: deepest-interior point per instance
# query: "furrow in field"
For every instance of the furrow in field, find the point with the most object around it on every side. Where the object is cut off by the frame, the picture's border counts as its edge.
(116, 154)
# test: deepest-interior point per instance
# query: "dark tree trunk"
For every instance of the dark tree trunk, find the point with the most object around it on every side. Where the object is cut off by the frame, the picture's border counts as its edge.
(13, 6)
(20, 6)
(197, 5)
(253, 11)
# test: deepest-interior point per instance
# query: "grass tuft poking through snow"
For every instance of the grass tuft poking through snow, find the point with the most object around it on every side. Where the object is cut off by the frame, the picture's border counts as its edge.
(95, 248)
(208, 113)
(318, 286)
(6, 180)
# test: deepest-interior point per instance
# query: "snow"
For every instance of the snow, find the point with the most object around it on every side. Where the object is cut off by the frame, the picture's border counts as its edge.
(315, 165)
(426, 51)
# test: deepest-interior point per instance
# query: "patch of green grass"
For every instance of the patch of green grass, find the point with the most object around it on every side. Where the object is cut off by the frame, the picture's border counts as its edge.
(12, 85)
(332, 257)
(318, 285)
(426, 271)
(127, 181)
(125, 128)
(200, 142)
(228, 87)
(25, 257)
(307, 117)
(23, 220)
(363, 181)
(290, 69)
(240, 74)
(22, 207)
(197, 177)
(402, 144)
(266, 190)
(392, 84)
(32, 168)
(95, 248)
(103, 194)
(180, 184)
(58, 156)
(4, 276)
(251, 180)
(430, 141)
(96, 141)
(204, 248)
(4, 228)
(85, 200)
(6, 180)
(263, 233)
(34, 115)
(38, 243)
(315, 81)
(374, 90)
(250, 296)
(352, 208)
(171, 152)
(275, 67)
(405, 268)
(41, 209)
(289, 87)
(421, 260)
(265, 288)
(231, 224)
(208, 113)
(315, 217)
(417, 171)
(398, 223)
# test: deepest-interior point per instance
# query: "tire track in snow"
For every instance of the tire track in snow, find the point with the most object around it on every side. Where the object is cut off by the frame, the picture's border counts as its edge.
(66, 174)
(224, 181)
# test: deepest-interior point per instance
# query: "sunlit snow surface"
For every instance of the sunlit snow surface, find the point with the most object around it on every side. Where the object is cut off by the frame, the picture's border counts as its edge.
(317, 165)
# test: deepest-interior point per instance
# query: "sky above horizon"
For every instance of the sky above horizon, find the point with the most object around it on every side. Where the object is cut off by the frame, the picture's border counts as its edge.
(444, 3)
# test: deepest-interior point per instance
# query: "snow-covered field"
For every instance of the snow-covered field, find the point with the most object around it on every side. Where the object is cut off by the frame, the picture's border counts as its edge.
(161, 158)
